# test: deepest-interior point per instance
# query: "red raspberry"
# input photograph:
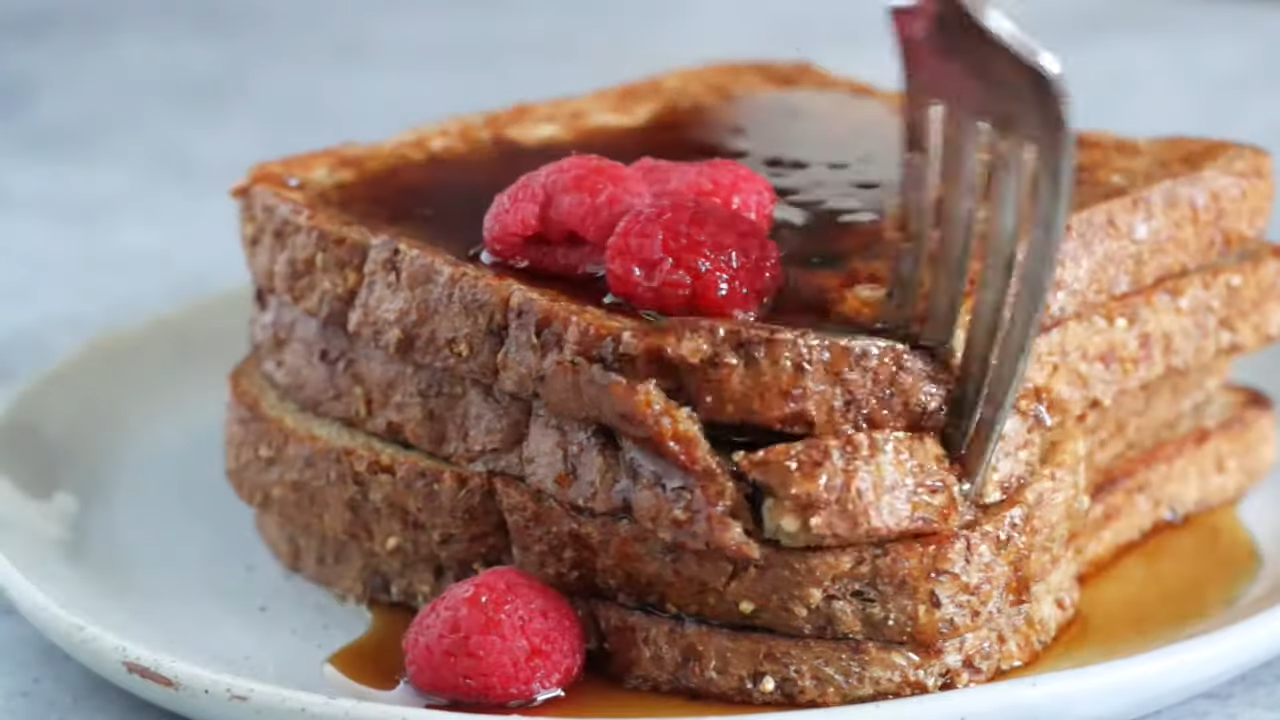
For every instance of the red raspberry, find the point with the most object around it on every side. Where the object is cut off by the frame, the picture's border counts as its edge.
(497, 639)
(692, 257)
(557, 218)
(727, 182)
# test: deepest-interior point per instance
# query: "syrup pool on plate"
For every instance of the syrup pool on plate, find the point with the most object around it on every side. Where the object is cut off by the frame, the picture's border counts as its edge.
(1153, 594)
(1156, 592)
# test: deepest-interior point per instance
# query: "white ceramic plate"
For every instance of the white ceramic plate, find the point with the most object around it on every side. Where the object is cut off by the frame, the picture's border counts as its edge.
(120, 541)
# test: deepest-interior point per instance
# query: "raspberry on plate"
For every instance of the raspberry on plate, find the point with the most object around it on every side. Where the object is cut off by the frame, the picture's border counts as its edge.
(498, 639)
(692, 257)
(726, 182)
(557, 218)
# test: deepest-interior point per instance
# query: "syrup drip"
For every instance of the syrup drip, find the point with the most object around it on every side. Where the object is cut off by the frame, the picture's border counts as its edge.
(1155, 593)
(375, 660)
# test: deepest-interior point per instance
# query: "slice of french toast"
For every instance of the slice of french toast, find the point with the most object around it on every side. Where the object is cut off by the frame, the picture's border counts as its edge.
(444, 520)
(372, 521)
(379, 237)
(920, 589)
(594, 450)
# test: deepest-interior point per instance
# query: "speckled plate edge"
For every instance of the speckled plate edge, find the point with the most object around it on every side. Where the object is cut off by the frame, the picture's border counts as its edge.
(1124, 688)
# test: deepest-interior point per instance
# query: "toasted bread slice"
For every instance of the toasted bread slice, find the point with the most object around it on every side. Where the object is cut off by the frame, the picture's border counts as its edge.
(1181, 325)
(1204, 459)
(644, 650)
(443, 523)
(1227, 450)
(890, 590)
(311, 238)
(927, 588)
(692, 502)
(1140, 418)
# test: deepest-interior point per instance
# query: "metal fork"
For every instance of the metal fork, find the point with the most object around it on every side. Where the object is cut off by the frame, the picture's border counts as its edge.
(989, 150)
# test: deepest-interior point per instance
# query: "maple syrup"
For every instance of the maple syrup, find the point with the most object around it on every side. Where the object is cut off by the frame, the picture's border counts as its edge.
(1155, 593)
(832, 157)
(375, 660)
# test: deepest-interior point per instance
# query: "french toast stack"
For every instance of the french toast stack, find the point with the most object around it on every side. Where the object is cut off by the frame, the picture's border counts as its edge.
(758, 512)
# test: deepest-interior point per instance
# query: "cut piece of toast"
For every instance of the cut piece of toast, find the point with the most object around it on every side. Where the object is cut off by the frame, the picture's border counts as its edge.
(879, 485)
(354, 235)
(1212, 464)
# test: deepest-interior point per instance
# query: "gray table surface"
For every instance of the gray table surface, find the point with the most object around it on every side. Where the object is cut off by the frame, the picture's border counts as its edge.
(123, 123)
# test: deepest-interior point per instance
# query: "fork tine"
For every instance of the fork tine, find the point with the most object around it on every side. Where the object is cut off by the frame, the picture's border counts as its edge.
(959, 202)
(905, 287)
(979, 67)
(988, 308)
(1034, 277)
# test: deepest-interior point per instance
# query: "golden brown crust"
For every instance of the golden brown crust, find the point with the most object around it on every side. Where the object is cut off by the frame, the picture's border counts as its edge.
(667, 654)
(1180, 324)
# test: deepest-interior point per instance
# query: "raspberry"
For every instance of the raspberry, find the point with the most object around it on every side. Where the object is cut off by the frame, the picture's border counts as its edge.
(727, 182)
(692, 257)
(497, 639)
(557, 218)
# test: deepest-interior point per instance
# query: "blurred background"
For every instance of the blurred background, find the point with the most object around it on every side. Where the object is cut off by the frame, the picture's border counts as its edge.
(124, 122)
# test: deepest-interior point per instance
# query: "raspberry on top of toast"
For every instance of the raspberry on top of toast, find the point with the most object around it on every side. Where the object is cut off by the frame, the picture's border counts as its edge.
(677, 238)
(811, 170)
